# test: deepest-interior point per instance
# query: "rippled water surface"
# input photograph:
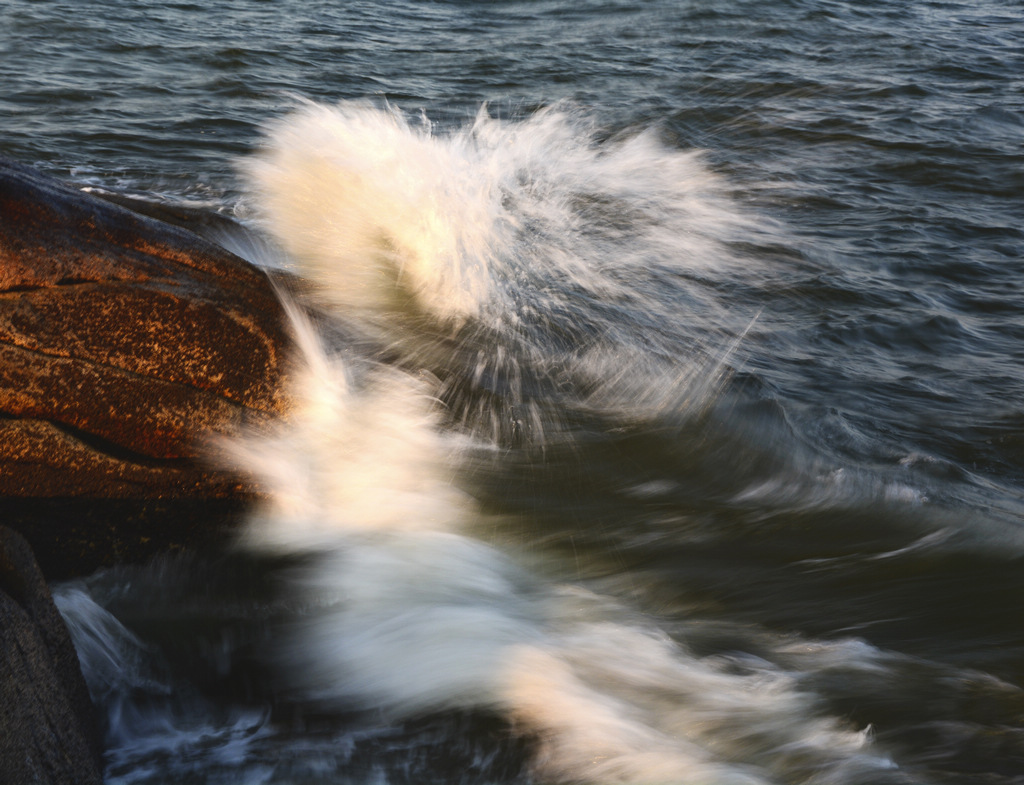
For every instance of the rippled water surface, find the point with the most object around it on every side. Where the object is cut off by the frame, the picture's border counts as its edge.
(670, 426)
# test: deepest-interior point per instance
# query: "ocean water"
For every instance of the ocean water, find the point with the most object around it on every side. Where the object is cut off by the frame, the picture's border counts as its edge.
(659, 414)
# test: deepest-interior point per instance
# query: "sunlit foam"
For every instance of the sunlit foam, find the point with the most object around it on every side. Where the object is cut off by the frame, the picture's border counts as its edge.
(504, 221)
(536, 258)
(407, 609)
(530, 265)
(357, 453)
(379, 212)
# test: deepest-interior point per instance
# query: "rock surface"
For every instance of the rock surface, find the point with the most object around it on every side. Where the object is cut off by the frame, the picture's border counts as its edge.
(124, 340)
(49, 730)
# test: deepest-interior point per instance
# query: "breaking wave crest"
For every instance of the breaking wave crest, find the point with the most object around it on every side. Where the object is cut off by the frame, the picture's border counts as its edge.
(523, 272)
(518, 262)
(407, 608)
(390, 216)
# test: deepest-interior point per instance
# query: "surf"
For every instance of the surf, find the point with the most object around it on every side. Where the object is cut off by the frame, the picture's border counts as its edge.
(504, 271)
(407, 609)
(514, 260)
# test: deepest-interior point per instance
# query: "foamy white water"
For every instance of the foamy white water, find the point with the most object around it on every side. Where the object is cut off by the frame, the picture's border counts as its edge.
(527, 261)
(408, 609)
(388, 215)
(860, 474)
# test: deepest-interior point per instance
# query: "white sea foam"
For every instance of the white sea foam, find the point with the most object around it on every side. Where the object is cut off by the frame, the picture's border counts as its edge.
(357, 454)
(529, 265)
(618, 701)
(364, 203)
(535, 232)
(500, 221)
(407, 610)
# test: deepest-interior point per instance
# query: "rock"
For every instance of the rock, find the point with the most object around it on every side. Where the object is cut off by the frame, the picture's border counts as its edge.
(49, 730)
(124, 341)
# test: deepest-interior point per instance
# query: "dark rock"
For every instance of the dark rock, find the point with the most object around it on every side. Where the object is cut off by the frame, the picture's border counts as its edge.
(124, 342)
(74, 536)
(49, 730)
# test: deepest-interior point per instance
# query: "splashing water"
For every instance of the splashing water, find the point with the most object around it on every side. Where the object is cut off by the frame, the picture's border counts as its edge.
(492, 222)
(407, 612)
(531, 249)
(153, 721)
(516, 262)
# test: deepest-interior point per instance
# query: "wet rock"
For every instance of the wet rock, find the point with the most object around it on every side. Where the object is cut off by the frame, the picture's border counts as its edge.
(124, 342)
(49, 730)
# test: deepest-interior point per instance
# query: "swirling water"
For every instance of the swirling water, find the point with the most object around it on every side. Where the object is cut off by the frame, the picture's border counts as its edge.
(664, 419)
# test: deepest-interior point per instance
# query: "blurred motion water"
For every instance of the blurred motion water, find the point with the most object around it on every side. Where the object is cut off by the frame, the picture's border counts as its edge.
(663, 419)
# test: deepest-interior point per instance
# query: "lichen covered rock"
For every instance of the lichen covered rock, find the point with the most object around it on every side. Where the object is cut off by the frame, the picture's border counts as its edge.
(124, 342)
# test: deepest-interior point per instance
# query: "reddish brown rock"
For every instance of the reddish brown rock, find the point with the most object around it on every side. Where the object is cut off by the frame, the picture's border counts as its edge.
(124, 341)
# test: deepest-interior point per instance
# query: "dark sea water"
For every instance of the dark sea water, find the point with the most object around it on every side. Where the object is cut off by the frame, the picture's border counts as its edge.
(670, 426)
